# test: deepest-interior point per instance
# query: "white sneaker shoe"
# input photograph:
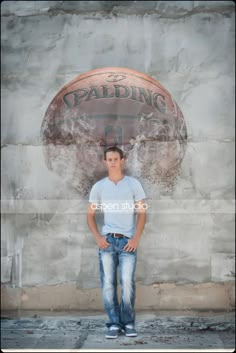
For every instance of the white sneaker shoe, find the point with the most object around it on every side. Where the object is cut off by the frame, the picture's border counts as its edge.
(113, 332)
(130, 331)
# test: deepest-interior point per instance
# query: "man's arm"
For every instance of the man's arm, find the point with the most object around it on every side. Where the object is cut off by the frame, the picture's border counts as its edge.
(132, 244)
(101, 241)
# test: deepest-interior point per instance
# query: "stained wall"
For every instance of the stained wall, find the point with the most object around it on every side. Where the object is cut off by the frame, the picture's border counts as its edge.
(189, 236)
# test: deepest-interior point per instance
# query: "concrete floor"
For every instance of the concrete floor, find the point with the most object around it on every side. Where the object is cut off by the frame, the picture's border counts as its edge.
(85, 331)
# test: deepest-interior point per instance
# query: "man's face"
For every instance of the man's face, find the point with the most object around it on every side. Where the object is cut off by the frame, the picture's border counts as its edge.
(113, 161)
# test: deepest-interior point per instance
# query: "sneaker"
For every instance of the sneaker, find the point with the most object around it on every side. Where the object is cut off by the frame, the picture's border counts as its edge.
(112, 332)
(130, 331)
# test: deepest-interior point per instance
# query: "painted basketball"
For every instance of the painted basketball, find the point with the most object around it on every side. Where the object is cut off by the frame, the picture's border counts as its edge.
(113, 106)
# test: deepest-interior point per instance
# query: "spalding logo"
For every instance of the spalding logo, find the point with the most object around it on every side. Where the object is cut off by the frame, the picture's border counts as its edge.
(113, 106)
(157, 100)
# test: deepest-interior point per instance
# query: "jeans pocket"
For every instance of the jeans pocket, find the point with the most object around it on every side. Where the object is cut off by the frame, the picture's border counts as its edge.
(108, 238)
(124, 242)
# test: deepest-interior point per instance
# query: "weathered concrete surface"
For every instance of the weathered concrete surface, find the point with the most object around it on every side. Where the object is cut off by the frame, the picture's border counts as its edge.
(188, 47)
(156, 330)
(171, 9)
(159, 296)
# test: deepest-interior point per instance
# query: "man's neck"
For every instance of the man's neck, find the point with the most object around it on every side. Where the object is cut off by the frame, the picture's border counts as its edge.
(115, 176)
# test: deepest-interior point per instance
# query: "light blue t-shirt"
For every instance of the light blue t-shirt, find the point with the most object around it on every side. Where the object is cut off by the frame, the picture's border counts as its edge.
(117, 201)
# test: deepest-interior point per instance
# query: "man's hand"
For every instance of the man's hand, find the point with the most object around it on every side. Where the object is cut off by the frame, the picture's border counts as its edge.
(131, 245)
(102, 242)
(141, 211)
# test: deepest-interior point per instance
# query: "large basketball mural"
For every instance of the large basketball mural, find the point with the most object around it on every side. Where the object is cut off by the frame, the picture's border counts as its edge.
(113, 106)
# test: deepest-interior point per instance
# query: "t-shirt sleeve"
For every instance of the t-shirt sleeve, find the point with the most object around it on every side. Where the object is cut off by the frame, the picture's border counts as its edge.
(94, 194)
(139, 193)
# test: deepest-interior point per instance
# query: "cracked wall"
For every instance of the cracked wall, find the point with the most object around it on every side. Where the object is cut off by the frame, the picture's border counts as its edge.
(189, 48)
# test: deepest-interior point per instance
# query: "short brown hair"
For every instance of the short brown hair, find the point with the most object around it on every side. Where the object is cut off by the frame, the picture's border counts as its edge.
(113, 149)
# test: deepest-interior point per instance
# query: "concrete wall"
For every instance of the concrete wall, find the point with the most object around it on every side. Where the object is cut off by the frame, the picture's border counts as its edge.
(187, 250)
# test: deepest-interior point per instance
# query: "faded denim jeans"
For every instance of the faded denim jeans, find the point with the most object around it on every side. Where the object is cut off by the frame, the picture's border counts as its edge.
(109, 258)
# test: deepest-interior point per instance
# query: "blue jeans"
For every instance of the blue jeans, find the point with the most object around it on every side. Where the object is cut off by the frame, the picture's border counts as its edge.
(109, 259)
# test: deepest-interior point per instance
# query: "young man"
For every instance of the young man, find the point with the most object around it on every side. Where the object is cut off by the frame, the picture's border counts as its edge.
(121, 198)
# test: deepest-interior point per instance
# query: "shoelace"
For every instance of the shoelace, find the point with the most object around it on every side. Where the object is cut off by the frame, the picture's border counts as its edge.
(114, 328)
